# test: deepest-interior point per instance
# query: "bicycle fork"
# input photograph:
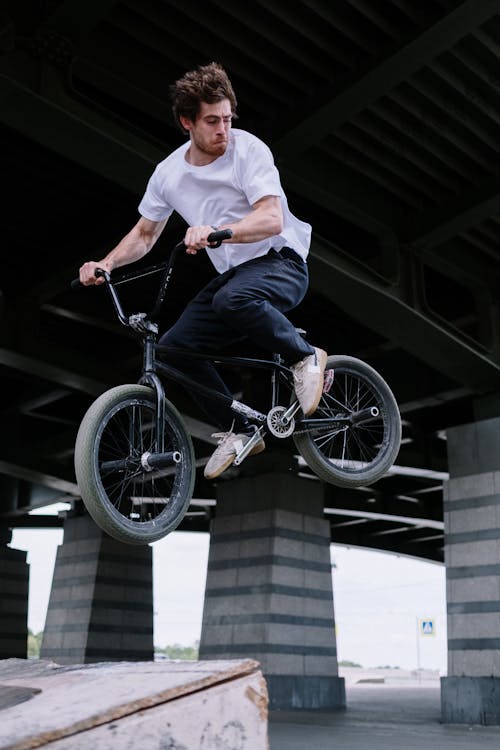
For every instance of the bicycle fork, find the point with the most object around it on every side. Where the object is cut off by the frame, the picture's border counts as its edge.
(160, 459)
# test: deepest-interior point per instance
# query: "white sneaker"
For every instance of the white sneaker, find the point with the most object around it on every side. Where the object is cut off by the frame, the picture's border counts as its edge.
(308, 378)
(230, 444)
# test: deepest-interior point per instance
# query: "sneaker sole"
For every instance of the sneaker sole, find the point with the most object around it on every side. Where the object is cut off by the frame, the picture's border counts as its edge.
(259, 448)
(322, 364)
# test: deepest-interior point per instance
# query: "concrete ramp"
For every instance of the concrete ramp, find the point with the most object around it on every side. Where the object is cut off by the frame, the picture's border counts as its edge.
(168, 705)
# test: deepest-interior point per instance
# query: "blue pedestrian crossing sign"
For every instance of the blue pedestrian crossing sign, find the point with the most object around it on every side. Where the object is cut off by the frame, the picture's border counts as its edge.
(427, 627)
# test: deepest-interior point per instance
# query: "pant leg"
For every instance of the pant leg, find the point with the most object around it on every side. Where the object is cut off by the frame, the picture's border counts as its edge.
(252, 302)
(200, 329)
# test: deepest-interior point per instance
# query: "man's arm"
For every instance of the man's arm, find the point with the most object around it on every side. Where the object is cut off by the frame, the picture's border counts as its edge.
(132, 247)
(264, 220)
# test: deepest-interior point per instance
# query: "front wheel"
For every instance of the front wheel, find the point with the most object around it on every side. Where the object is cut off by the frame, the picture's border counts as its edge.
(353, 437)
(135, 493)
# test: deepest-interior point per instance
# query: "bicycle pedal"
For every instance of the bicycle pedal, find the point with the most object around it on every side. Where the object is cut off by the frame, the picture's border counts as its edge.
(328, 380)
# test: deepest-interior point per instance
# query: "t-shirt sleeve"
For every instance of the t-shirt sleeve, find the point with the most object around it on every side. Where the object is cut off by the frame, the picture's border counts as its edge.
(258, 174)
(153, 205)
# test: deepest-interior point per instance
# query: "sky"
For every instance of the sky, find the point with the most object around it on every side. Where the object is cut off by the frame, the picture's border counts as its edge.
(382, 601)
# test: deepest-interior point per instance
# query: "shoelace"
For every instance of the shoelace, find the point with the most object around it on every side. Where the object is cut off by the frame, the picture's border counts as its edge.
(298, 373)
(222, 437)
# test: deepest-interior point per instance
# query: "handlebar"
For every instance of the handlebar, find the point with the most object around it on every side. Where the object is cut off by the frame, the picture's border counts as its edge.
(140, 320)
(215, 239)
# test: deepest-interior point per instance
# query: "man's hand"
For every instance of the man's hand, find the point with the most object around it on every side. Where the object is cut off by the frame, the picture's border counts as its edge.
(87, 272)
(197, 238)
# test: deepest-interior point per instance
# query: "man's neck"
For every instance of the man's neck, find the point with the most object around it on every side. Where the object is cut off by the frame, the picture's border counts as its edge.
(198, 158)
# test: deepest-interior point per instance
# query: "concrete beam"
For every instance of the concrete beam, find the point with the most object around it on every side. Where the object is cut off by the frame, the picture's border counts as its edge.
(413, 56)
(51, 372)
(380, 307)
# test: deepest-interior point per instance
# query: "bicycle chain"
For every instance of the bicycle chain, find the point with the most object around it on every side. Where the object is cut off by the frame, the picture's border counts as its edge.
(319, 430)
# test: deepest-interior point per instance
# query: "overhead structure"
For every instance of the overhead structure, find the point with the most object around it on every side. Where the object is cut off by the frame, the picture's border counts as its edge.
(384, 124)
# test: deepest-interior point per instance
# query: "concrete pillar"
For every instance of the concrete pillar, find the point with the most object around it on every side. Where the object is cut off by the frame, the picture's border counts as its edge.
(14, 582)
(470, 694)
(101, 601)
(269, 588)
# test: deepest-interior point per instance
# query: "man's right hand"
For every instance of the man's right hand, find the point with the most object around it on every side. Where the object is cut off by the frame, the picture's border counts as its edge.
(87, 272)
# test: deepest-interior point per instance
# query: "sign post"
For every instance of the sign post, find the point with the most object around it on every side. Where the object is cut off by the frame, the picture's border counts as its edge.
(425, 627)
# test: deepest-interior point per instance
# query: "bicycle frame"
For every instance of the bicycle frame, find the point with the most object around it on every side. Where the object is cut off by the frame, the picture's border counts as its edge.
(154, 370)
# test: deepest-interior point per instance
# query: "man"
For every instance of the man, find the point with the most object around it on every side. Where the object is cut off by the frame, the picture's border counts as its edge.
(226, 178)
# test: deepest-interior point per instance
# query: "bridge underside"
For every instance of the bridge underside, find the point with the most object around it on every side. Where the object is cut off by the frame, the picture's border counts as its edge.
(384, 125)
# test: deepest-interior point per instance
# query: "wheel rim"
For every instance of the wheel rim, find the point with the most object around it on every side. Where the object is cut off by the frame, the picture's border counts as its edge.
(133, 494)
(351, 448)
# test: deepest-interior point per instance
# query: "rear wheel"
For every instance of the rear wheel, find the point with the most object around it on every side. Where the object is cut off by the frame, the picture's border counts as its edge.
(134, 492)
(361, 440)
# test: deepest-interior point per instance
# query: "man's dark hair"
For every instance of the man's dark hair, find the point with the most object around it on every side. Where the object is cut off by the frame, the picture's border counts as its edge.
(208, 83)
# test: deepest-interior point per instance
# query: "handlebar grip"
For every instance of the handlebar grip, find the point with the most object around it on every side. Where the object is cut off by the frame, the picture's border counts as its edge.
(76, 283)
(218, 236)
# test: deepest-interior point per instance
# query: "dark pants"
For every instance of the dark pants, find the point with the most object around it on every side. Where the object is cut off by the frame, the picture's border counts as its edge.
(246, 302)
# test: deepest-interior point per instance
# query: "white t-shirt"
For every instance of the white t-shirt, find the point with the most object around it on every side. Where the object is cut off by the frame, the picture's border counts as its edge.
(223, 192)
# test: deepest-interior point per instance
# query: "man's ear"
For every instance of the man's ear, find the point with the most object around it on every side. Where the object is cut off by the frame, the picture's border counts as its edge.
(186, 123)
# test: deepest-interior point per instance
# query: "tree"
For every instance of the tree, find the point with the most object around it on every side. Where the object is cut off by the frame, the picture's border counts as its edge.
(179, 652)
(34, 644)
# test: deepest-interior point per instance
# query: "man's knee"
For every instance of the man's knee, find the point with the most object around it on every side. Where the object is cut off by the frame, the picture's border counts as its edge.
(231, 301)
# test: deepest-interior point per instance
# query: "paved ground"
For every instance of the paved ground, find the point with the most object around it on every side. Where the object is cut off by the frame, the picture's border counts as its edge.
(384, 716)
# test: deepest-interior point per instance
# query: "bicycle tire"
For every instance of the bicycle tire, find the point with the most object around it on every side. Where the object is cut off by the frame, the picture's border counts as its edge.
(352, 455)
(129, 503)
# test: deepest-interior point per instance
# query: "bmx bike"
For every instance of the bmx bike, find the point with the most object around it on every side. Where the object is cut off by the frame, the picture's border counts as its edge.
(134, 458)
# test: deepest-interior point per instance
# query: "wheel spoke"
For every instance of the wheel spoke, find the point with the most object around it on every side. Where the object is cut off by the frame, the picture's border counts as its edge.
(137, 494)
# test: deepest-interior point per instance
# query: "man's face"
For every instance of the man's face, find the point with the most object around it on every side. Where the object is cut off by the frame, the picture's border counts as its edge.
(209, 133)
